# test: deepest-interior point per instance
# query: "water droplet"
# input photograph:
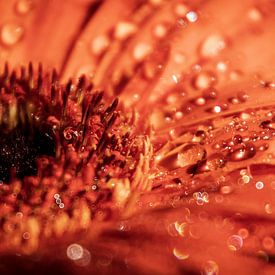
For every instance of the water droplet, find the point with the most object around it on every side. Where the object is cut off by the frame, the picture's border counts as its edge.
(215, 109)
(235, 242)
(11, 33)
(192, 16)
(210, 93)
(23, 7)
(244, 152)
(259, 185)
(74, 252)
(210, 268)
(200, 101)
(267, 124)
(212, 163)
(212, 46)
(190, 154)
(183, 156)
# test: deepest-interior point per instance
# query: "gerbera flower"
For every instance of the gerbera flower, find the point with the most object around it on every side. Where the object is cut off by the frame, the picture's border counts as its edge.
(137, 137)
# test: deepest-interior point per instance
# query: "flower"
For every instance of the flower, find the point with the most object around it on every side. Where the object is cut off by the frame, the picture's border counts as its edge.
(168, 174)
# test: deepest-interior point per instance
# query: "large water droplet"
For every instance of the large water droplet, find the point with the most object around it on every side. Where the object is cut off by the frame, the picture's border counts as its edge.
(212, 163)
(243, 152)
(11, 33)
(183, 156)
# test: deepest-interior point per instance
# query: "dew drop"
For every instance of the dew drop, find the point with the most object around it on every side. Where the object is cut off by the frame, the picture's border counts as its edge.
(190, 154)
(212, 46)
(212, 163)
(74, 252)
(192, 16)
(210, 93)
(11, 33)
(235, 242)
(259, 185)
(183, 156)
(244, 152)
(200, 101)
(267, 124)
(23, 7)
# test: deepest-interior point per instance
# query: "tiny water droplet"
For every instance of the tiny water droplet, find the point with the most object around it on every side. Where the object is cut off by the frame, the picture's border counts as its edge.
(11, 33)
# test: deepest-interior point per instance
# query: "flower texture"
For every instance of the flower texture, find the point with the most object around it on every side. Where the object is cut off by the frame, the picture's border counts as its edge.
(137, 136)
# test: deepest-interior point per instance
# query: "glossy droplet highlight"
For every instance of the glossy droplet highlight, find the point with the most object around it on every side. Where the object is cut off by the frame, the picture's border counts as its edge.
(192, 16)
(11, 33)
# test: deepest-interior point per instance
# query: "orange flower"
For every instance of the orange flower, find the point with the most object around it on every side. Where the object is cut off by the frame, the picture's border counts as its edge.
(178, 178)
